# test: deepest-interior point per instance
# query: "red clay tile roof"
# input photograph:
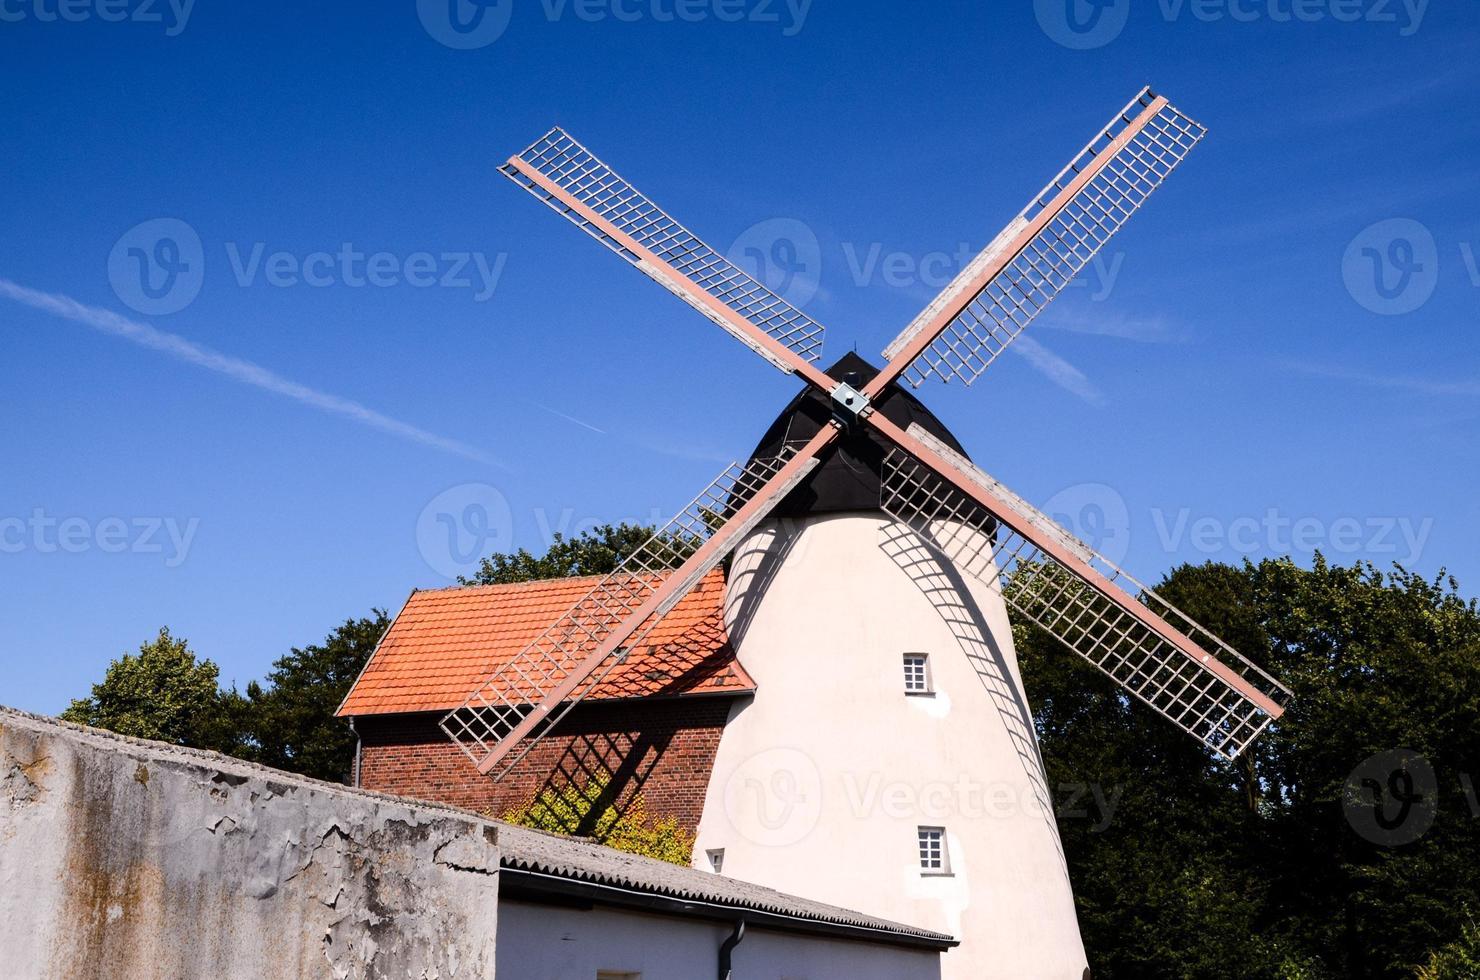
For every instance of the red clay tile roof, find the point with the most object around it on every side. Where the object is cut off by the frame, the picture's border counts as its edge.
(446, 642)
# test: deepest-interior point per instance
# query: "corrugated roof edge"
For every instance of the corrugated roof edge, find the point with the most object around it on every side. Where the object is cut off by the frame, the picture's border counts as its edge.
(536, 853)
(533, 852)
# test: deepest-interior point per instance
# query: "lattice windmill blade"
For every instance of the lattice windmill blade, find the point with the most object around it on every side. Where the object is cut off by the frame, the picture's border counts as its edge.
(1148, 646)
(1014, 279)
(500, 722)
(576, 184)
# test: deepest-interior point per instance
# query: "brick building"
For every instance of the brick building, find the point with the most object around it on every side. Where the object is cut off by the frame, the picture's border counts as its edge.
(651, 728)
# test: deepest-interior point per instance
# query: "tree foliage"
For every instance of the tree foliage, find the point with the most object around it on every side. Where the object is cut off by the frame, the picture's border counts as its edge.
(590, 811)
(1460, 960)
(595, 552)
(162, 692)
(288, 722)
(1252, 869)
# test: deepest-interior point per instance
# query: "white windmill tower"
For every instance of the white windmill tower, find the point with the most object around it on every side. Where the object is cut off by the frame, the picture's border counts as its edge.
(873, 564)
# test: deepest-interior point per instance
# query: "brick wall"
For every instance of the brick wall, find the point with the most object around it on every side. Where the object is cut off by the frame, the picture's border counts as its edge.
(662, 749)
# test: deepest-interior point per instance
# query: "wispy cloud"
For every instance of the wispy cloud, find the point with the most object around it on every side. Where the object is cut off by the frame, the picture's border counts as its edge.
(568, 418)
(235, 368)
(1057, 370)
(1400, 382)
(1142, 330)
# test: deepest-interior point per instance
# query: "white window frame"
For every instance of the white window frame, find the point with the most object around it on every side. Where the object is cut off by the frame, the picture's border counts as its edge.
(933, 851)
(920, 671)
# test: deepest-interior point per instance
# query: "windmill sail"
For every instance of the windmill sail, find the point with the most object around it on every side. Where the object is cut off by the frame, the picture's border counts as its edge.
(1148, 646)
(576, 184)
(1014, 279)
(508, 714)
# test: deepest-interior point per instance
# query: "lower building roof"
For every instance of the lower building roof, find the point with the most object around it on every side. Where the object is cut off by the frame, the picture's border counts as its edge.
(535, 862)
(446, 642)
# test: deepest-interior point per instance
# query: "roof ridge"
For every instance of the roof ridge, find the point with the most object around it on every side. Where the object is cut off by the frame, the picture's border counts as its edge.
(535, 582)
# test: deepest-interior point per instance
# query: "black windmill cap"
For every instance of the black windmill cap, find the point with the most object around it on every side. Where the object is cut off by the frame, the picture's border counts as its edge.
(848, 478)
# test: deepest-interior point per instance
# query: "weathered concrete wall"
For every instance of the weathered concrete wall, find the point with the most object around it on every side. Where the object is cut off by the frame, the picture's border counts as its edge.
(121, 858)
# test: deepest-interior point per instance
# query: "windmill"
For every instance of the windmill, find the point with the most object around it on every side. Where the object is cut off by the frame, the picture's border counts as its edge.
(948, 527)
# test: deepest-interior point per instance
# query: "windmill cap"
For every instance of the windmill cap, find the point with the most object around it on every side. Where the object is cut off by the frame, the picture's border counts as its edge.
(849, 474)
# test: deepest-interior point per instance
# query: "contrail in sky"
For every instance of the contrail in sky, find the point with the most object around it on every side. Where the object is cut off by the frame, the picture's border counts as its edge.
(239, 370)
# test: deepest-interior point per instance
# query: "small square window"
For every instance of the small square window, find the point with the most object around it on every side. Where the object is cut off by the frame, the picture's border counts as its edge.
(716, 860)
(617, 975)
(934, 858)
(917, 674)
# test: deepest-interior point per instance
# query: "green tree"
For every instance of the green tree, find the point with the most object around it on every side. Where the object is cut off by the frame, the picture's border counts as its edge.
(1252, 869)
(595, 552)
(289, 722)
(1460, 960)
(163, 692)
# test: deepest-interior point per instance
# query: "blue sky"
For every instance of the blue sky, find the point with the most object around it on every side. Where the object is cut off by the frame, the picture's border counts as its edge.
(280, 439)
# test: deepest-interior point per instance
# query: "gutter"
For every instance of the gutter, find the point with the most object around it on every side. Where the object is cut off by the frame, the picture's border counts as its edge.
(359, 744)
(520, 883)
(726, 971)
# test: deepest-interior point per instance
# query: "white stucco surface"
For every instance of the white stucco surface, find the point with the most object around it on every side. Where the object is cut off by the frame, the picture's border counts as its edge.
(541, 942)
(129, 859)
(822, 780)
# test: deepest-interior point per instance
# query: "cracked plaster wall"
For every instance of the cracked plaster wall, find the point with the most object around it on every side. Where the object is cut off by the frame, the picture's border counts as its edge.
(123, 858)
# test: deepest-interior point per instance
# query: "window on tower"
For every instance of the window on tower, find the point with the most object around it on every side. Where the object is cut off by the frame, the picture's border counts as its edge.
(935, 859)
(917, 674)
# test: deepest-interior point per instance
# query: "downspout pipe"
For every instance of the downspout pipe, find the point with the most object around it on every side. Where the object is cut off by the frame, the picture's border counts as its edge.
(727, 948)
(355, 775)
